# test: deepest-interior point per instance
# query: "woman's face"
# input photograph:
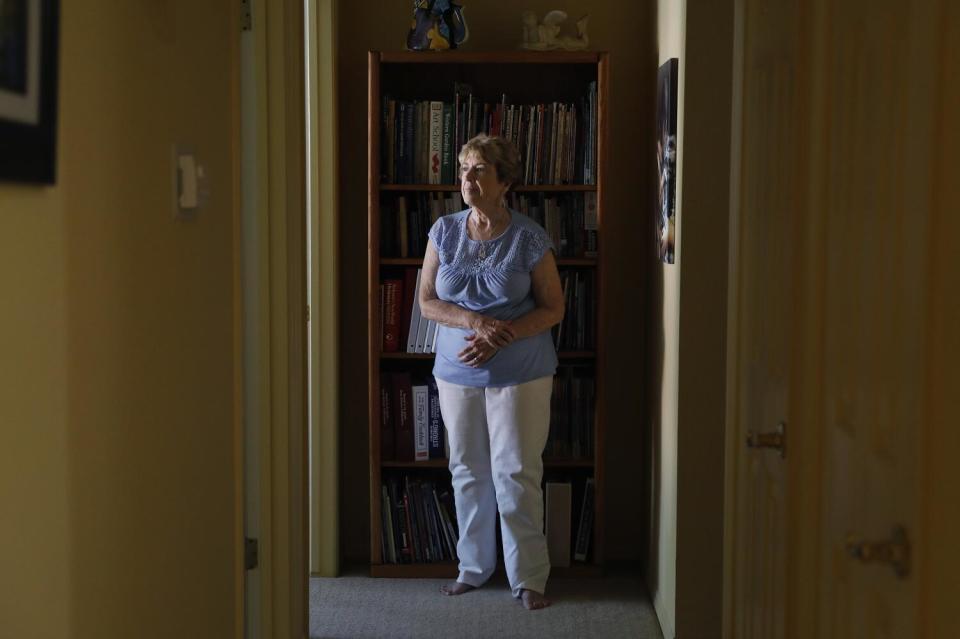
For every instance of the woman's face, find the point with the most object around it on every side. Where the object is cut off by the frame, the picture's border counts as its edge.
(479, 183)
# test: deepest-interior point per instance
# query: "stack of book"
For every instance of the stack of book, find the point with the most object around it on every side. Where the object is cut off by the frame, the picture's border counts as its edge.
(558, 505)
(403, 327)
(571, 416)
(570, 219)
(576, 331)
(411, 426)
(421, 139)
(419, 521)
(406, 219)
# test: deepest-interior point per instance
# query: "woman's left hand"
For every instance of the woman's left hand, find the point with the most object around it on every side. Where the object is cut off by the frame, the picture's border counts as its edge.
(477, 352)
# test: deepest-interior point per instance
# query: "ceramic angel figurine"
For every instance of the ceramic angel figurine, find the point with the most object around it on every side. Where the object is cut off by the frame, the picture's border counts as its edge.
(541, 36)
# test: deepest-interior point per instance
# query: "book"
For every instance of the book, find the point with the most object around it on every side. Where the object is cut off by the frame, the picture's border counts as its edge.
(414, 316)
(447, 161)
(584, 530)
(428, 338)
(446, 530)
(409, 290)
(388, 448)
(392, 293)
(387, 537)
(402, 225)
(404, 549)
(413, 531)
(557, 522)
(421, 336)
(436, 432)
(435, 148)
(421, 421)
(403, 415)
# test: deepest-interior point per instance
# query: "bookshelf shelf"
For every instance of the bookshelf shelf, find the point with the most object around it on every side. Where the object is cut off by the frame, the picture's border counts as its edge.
(519, 86)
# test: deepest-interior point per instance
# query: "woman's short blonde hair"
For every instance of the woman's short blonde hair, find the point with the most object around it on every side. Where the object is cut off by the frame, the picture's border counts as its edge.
(499, 152)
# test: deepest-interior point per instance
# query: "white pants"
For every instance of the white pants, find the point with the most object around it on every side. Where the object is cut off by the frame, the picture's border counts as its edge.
(496, 438)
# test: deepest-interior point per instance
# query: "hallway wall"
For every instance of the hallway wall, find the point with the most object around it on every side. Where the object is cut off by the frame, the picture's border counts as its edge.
(688, 350)
(117, 372)
(626, 30)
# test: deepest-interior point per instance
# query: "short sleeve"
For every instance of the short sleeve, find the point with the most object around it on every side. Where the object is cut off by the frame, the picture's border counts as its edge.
(436, 233)
(442, 237)
(535, 245)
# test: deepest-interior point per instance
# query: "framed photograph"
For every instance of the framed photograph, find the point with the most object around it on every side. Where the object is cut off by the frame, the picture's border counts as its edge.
(29, 31)
(667, 159)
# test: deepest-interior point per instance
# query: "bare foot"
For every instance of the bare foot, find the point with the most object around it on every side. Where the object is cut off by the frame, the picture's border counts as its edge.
(455, 588)
(533, 600)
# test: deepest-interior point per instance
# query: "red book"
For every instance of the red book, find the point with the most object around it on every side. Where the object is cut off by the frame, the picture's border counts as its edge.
(403, 416)
(388, 449)
(409, 290)
(392, 298)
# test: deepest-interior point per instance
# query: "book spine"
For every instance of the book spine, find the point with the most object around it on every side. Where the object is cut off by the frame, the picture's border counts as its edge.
(449, 544)
(421, 422)
(437, 449)
(403, 227)
(389, 542)
(391, 315)
(586, 523)
(390, 139)
(413, 531)
(425, 142)
(414, 316)
(403, 416)
(398, 512)
(409, 119)
(557, 522)
(388, 448)
(446, 146)
(409, 290)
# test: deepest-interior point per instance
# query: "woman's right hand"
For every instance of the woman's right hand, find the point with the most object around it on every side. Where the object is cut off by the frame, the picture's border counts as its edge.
(494, 332)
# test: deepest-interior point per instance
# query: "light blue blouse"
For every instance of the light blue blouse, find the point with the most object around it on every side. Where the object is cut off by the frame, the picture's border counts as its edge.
(499, 285)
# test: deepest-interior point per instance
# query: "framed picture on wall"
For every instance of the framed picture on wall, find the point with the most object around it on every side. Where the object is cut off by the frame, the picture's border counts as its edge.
(667, 159)
(29, 31)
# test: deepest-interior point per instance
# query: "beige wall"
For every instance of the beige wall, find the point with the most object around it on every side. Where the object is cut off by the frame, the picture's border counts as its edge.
(663, 361)
(116, 381)
(34, 536)
(688, 360)
(626, 30)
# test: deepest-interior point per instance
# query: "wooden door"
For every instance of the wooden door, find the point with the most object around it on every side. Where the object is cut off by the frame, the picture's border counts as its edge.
(764, 300)
(876, 99)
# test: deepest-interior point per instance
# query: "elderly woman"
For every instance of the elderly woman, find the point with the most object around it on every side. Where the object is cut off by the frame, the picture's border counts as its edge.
(490, 280)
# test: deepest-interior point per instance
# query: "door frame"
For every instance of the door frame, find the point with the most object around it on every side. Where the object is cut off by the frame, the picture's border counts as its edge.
(282, 447)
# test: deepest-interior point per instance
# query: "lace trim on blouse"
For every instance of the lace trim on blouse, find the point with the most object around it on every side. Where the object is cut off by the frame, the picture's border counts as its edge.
(520, 247)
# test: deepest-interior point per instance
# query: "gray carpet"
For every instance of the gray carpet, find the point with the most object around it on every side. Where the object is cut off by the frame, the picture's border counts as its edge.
(358, 607)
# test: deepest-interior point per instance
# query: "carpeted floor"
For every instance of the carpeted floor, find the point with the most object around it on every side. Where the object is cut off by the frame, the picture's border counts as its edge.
(358, 607)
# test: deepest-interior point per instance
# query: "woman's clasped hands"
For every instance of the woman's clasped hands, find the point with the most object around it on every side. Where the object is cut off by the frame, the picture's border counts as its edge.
(489, 336)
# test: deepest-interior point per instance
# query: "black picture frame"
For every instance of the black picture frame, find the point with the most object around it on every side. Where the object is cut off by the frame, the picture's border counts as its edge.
(28, 152)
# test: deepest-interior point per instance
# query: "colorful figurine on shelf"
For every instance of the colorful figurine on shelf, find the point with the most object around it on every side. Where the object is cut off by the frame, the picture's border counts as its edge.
(541, 36)
(436, 25)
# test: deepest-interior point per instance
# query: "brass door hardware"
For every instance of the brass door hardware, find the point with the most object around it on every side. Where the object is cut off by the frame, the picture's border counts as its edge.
(895, 551)
(776, 439)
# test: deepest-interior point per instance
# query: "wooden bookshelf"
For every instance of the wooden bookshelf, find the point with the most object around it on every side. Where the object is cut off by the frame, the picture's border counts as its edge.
(527, 77)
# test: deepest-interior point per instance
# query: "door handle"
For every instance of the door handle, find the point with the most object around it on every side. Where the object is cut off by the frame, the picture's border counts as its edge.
(895, 551)
(776, 439)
